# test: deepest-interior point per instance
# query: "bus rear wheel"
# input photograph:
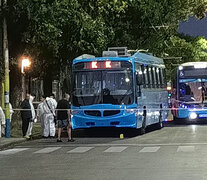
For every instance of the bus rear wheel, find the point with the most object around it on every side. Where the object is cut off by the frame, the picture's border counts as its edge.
(142, 130)
(160, 124)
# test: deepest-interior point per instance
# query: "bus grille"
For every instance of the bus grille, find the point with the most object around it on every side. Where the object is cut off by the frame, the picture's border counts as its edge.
(111, 112)
(93, 113)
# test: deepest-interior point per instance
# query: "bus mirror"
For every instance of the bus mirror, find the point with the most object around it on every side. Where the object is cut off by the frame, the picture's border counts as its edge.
(139, 79)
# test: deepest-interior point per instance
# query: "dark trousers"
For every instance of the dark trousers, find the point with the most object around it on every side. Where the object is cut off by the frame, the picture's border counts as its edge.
(25, 124)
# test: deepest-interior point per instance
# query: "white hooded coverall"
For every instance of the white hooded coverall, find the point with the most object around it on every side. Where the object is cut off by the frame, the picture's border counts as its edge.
(49, 112)
(29, 130)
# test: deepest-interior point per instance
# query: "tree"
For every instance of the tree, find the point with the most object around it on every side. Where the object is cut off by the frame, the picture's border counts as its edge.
(54, 32)
(189, 48)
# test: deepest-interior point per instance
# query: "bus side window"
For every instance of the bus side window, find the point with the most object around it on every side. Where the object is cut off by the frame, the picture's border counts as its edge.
(161, 77)
(154, 74)
(150, 77)
(144, 73)
(146, 77)
(153, 77)
(162, 74)
(158, 77)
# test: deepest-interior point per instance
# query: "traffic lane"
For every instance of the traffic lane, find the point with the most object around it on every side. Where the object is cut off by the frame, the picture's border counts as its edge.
(131, 163)
(169, 135)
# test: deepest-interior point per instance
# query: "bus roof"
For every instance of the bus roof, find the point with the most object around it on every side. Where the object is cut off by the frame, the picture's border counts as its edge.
(141, 58)
(204, 64)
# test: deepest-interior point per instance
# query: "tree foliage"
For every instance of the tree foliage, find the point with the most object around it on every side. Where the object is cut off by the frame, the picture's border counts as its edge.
(53, 32)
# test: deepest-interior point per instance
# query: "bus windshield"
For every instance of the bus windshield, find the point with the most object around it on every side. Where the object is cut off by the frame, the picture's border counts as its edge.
(102, 87)
(193, 90)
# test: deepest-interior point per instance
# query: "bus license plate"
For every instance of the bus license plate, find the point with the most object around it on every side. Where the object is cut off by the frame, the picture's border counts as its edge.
(203, 115)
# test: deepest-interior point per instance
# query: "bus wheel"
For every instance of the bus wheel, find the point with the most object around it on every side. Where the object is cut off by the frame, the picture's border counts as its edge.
(160, 123)
(143, 128)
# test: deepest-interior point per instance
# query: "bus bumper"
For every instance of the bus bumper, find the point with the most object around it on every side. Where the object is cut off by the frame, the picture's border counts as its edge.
(192, 114)
(128, 121)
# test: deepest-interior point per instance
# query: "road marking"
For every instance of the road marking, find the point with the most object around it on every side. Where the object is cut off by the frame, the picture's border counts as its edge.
(115, 149)
(47, 150)
(12, 151)
(186, 149)
(80, 150)
(149, 149)
(118, 144)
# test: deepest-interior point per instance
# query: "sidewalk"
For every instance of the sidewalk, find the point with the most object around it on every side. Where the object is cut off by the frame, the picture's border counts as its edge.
(16, 136)
(6, 142)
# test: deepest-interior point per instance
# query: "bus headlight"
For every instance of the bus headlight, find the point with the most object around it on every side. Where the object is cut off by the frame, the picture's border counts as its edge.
(74, 112)
(131, 111)
(193, 115)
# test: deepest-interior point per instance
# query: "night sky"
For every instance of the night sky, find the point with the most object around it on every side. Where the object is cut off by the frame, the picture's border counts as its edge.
(194, 27)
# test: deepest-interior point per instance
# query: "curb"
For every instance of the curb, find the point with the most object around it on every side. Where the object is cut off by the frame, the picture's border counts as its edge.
(11, 144)
(7, 145)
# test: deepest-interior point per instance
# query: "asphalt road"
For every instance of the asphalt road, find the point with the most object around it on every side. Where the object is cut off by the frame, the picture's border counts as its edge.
(176, 152)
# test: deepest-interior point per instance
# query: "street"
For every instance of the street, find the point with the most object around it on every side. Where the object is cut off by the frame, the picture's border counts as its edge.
(174, 152)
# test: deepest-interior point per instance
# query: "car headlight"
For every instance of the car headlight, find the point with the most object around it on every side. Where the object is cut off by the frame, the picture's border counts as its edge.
(193, 115)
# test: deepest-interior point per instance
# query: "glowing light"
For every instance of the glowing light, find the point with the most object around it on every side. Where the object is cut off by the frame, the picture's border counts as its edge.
(193, 115)
(180, 68)
(94, 64)
(169, 88)
(108, 64)
(25, 63)
(127, 80)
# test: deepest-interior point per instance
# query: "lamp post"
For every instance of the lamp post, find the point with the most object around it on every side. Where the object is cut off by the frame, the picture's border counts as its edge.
(25, 63)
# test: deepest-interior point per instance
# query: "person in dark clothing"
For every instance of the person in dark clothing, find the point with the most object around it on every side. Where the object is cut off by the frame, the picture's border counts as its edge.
(26, 115)
(63, 118)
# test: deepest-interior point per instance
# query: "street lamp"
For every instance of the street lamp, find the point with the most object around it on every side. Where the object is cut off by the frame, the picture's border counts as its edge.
(25, 63)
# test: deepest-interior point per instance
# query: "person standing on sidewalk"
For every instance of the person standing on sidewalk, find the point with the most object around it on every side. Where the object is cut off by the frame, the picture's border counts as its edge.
(40, 112)
(63, 118)
(26, 115)
(49, 106)
(30, 126)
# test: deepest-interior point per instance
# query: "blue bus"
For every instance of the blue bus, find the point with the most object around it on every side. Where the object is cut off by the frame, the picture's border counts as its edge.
(190, 98)
(118, 90)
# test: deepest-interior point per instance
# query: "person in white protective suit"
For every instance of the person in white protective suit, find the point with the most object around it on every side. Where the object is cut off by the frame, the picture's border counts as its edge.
(29, 130)
(52, 96)
(40, 112)
(2, 122)
(49, 106)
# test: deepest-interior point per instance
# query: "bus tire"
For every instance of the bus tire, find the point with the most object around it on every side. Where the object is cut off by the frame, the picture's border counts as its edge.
(160, 123)
(143, 128)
